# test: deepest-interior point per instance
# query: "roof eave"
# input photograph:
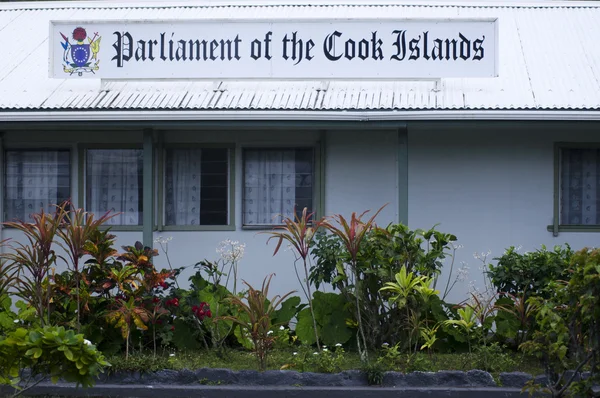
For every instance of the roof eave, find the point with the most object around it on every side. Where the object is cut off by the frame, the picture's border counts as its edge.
(291, 115)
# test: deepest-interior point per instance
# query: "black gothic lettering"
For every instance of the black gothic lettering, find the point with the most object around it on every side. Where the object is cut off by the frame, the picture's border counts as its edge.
(329, 46)
(478, 49)
(400, 45)
(123, 47)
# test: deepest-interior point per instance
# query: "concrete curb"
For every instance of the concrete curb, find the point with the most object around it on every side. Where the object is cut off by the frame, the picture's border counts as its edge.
(209, 382)
(168, 391)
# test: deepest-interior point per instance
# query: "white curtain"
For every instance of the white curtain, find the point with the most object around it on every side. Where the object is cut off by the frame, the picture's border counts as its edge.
(32, 182)
(114, 183)
(580, 175)
(183, 181)
(270, 186)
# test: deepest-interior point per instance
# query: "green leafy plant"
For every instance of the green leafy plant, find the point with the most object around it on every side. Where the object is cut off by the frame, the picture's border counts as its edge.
(411, 292)
(493, 358)
(331, 317)
(517, 273)
(49, 352)
(382, 253)
(467, 321)
(299, 233)
(515, 317)
(567, 337)
(255, 314)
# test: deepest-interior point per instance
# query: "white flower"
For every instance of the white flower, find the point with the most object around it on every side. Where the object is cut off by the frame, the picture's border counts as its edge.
(315, 353)
(324, 346)
(171, 355)
(338, 345)
(163, 240)
(231, 251)
(87, 342)
(16, 321)
(270, 332)
(325, 349)
(385, 345)
(281, 327)
(463, 272)
(295, 353)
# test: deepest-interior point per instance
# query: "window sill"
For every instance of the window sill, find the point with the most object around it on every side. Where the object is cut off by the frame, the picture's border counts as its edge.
(261, 227)
(575, 228)
(133, 228)
(197, 228)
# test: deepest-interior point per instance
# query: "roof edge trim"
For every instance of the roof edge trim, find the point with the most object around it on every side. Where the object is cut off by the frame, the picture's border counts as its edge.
(347, 116)
(30, 5)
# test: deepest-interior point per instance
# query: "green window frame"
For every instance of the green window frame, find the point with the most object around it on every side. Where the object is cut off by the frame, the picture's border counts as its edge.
(162, 192)
(317, 199)
(83, 183)
(559, 225)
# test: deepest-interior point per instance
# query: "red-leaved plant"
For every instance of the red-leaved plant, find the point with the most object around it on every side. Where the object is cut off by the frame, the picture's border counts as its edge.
(255, 314)
(351, 233)
(299, 233)
(32, 260)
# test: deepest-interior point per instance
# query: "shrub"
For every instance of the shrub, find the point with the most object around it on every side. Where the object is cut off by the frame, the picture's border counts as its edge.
(568, 335)
(516, 273)
(48, 352)
(381, 254)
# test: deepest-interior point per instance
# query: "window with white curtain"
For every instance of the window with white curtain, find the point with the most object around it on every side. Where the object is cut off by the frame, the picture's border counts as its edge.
(580, 186)
(35, 180)
(276, 181)
(196, 186)
(113, 182)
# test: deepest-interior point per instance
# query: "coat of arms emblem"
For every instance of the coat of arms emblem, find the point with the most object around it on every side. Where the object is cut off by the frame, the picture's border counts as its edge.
(81, 57)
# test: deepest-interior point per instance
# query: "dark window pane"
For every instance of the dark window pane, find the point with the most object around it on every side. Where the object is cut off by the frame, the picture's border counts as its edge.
(579, 183)
(196, 186)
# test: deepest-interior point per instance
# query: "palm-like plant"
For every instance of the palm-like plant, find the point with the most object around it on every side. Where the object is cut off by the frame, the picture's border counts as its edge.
(256, 312)
(32, 260)
(299, 233)
(352, 233)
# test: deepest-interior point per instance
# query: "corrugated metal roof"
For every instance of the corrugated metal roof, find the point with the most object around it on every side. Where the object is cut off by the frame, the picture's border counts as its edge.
(547, 52)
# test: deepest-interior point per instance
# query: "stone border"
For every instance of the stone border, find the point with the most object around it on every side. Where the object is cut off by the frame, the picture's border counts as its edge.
(349, 378)
(210, 382)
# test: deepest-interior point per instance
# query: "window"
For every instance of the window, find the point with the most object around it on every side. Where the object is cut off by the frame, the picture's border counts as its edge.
(276, 181)
(114, 183)
(35, 180)
(579, 184)
(196, 186)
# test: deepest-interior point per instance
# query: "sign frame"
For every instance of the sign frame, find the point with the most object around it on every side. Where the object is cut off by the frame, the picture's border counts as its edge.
(171, 21)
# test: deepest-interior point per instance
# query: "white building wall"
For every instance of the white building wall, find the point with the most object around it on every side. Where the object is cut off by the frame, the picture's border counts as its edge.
(360, 173)
(491, 185)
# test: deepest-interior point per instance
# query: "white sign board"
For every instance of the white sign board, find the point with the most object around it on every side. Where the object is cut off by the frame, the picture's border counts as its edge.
(332, 49)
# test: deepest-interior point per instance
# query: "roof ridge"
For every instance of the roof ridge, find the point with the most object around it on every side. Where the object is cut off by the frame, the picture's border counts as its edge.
(141, 4)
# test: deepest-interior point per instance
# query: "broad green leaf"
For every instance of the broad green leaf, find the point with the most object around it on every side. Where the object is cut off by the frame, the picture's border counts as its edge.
(304, 328)
(68, 353)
